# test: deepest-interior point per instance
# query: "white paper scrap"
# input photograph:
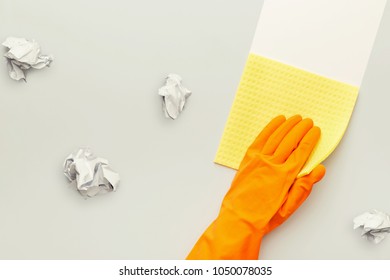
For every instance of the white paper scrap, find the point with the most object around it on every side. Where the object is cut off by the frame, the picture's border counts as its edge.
(375, 225)
(174, 96)
(22, 55)
(92, 174)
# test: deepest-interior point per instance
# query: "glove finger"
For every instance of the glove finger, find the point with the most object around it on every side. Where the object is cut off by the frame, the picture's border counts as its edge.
(298, 193)
(304, 149)
(300, 190)
(278, 135)
(291, 141)
(262, 138)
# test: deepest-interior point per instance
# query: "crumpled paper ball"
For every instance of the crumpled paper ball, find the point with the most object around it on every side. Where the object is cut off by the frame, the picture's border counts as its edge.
(92, 174)
(375, 225)
(22, 55)
(174, 96)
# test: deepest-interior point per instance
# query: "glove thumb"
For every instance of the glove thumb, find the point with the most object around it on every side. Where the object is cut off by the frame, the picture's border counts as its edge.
(297, 194)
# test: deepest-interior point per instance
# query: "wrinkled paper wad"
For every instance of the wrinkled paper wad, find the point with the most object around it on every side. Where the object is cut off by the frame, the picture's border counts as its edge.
(174, 96)
(22, 55)
(92, 174)
(375, 225)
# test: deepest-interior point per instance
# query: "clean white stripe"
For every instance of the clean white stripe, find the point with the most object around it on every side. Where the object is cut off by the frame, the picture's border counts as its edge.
(332, 38)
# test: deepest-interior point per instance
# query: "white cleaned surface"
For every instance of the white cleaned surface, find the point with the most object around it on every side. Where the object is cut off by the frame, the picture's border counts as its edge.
(332, 38)
(111, 57)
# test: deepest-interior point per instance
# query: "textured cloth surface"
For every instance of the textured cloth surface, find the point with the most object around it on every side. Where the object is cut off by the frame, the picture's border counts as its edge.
(269, 88)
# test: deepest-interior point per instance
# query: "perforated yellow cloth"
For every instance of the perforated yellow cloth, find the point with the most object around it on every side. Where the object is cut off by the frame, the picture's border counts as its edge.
(269, 88)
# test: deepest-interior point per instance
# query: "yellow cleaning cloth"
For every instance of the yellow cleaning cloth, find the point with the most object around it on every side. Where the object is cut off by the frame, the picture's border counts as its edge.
(269, 88)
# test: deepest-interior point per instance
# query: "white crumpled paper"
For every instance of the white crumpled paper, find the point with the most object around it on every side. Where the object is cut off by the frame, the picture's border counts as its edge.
(22, 55)
(375, 225)
(174, 96)
(92, 174)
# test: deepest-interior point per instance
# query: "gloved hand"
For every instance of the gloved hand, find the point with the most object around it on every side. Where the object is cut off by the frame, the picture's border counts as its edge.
(264, 192)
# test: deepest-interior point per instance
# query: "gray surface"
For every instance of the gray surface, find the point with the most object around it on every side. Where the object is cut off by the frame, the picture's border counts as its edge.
(101, 91)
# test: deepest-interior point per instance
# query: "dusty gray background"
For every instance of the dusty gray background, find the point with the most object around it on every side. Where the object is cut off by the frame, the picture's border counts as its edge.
(101, 91)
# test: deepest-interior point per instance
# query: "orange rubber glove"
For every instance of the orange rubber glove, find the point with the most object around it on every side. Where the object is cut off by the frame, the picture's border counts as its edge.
(264, 192)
